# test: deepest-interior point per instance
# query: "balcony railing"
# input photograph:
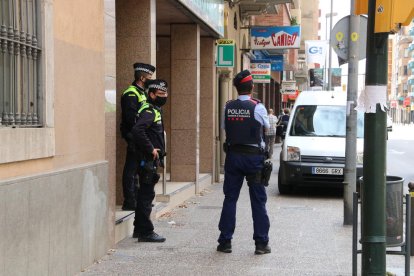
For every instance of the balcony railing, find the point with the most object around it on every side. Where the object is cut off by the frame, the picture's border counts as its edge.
(410, 64)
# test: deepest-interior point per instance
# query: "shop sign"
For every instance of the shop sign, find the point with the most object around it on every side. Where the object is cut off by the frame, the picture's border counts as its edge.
(275, 61)
(277, 65)
(288, 87)
(225, 53)
(275, 37)
(260, 72)
(407, 102)
(293, 96)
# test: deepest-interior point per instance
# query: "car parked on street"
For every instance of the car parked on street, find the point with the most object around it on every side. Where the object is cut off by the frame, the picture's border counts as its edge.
(313, 152)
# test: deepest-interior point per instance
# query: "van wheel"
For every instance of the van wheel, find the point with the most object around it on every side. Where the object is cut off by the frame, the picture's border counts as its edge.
(283, 189)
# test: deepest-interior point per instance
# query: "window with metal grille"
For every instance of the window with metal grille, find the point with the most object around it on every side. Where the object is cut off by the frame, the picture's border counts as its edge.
(19, 63)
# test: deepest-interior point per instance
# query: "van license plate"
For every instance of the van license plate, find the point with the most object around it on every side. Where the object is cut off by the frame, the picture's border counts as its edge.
(320, 170)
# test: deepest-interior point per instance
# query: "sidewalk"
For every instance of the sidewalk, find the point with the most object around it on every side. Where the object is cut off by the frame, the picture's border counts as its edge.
(307, 237)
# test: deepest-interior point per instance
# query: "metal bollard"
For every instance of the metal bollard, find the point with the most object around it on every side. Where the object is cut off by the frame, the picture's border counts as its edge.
(411, 190)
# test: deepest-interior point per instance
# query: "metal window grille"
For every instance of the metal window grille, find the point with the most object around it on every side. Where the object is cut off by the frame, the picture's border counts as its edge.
(19, 63)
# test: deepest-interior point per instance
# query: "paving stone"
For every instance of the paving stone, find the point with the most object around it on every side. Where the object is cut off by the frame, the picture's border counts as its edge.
(307, 237)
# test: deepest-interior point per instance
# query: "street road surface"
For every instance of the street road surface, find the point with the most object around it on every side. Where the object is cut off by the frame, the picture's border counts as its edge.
(400, 153)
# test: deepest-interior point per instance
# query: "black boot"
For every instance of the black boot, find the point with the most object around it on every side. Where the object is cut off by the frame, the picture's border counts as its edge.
(224, 247)
(262, 248)
(153, 237)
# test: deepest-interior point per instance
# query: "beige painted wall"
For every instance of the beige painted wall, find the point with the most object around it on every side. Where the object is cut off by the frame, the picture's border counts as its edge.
(78, 105)
(57, 212)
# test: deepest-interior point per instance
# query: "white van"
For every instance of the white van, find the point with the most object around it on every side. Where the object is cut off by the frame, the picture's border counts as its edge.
(313, 152)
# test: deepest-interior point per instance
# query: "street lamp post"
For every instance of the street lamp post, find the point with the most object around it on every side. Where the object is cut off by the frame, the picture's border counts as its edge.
(329, 15)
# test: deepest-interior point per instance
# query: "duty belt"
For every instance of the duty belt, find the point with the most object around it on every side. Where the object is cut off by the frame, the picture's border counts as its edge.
(245, 149)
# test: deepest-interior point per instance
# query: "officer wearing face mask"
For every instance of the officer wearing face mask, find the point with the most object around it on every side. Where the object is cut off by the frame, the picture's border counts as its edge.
(131, 101)
(148, 135)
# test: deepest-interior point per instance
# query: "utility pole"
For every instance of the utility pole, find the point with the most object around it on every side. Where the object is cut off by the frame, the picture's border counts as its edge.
(351, 116)
(373, 189)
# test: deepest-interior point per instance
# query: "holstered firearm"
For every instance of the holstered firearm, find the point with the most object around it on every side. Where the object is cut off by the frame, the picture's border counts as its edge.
(266, 172)
(148, 168)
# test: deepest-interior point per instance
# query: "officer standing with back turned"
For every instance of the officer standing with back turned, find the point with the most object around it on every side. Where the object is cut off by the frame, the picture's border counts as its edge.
(131, 101)
(244, 120)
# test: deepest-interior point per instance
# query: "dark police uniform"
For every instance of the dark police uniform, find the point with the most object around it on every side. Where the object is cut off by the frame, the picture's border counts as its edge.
(148, 134)
(131, 101)
(244, 120)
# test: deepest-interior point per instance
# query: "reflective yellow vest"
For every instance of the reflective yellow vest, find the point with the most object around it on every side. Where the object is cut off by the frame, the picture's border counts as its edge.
(149, 106)
(135, 93)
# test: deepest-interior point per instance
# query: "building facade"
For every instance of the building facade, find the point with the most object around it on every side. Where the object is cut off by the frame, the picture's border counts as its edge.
(64, 66)
(55, 214)
(401, 95)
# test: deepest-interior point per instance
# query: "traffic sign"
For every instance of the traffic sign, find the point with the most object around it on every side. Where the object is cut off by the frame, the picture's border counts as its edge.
(225, 53)
(340, 37)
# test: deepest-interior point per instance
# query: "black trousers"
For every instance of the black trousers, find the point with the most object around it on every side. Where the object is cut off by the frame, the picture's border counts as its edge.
(129, 181)
(145, 195)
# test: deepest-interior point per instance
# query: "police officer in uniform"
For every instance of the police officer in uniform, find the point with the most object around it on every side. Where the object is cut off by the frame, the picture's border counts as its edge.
(148, 136)
(131, 101)
(244, 120)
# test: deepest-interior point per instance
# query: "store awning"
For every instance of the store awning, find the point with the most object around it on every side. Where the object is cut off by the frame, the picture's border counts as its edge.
(259, 7)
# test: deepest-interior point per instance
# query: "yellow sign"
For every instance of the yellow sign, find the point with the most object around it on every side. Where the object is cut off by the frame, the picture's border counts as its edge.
(354, 36)
(225, 41)
(339, 36)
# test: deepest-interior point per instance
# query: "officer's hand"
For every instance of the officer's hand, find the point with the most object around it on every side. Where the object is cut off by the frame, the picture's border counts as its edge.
(155, 153)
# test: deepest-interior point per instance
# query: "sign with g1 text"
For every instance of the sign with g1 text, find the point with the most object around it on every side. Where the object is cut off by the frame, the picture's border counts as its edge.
(316, 51)
(260, 72)
(225, 53)
(276, 37)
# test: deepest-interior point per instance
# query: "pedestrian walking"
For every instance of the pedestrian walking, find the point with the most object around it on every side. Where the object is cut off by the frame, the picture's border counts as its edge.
(148, 136)
(281, 125)
(131, 101)
(244, 120)
(270, 133)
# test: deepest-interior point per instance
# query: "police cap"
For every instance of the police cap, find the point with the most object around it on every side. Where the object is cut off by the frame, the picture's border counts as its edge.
(143, 67)
(157, 84)
(243, 82)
